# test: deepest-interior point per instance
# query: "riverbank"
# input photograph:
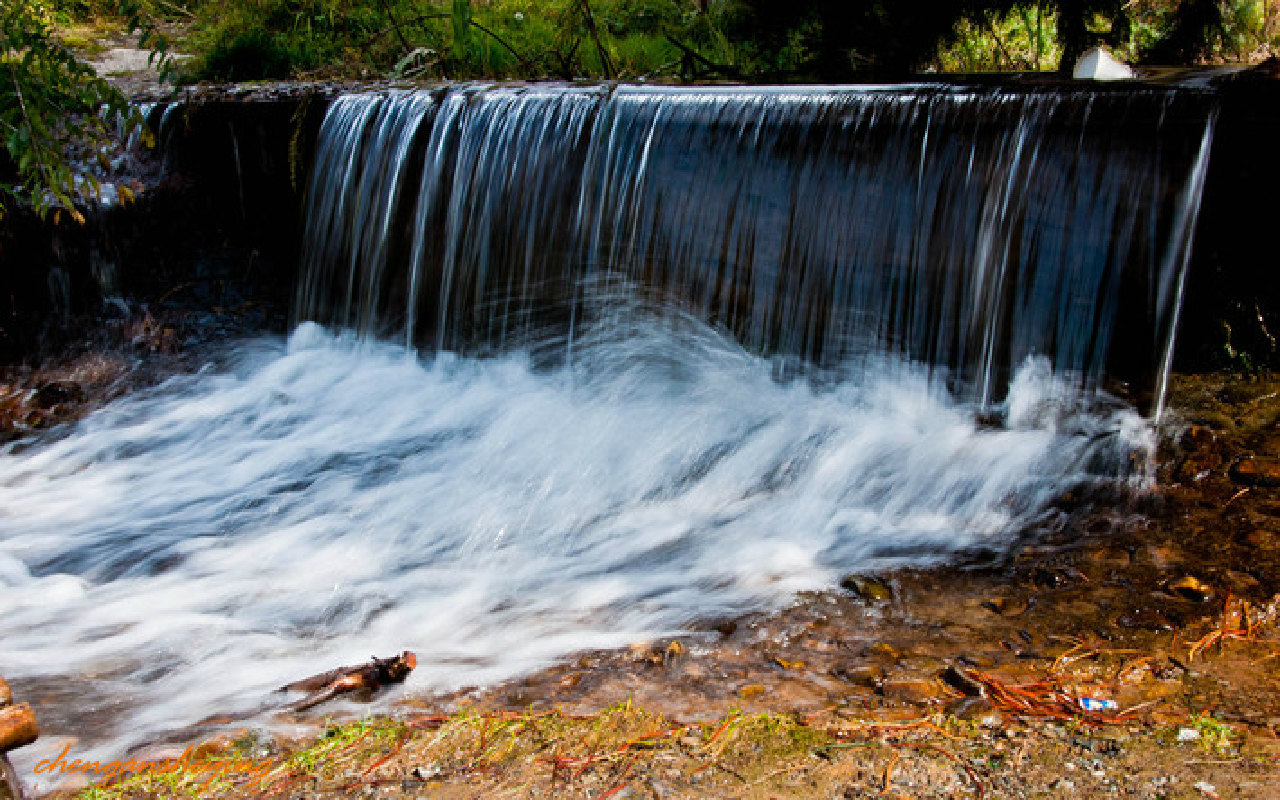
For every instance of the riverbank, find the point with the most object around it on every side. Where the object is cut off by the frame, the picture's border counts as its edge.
(1131, 647)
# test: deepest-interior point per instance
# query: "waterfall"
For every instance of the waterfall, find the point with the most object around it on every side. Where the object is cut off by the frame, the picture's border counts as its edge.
(598, 363)
(965, 229)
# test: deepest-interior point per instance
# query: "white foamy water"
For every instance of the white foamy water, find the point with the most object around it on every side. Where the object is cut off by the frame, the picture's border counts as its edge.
(185, 551)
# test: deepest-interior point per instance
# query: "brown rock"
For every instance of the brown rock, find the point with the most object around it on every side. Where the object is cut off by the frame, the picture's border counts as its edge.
(1161, 556)
(860, 674)
(1197, 436)
(976, 709)
(1261, 537)
(1006, 607)
(1111, 557)
(1197, 466)
(57, 393)
(18, 727)
(866, 588)
(961, 682)
(916, 691)
(6, 696)
(1256, 472)
(1190, 588)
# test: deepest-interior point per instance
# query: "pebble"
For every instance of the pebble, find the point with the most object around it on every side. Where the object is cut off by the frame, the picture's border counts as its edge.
(867, 589)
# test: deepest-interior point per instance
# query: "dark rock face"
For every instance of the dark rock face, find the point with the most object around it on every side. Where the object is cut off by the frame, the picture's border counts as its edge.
(1231, 315)
(215, 222)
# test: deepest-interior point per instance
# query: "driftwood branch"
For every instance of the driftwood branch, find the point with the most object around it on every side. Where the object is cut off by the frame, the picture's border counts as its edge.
(17, 728)
(10, 786)
(368, 678)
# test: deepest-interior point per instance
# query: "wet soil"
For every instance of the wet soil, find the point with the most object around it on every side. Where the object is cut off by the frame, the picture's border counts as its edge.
(90, 362)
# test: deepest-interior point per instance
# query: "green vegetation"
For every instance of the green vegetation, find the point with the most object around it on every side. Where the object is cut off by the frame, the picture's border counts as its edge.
(56, 114)
(705, 39)
(54, 111)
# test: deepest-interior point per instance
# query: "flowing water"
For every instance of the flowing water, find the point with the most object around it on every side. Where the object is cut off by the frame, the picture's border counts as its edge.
(603, 362)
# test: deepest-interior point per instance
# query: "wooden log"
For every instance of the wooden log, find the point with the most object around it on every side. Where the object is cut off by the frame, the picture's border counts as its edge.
(18, 727)
(10, 786)
(6, 696)
(358, 678)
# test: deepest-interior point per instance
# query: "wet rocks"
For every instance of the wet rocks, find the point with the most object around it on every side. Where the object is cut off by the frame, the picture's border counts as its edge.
(57, 393)
(866, 588)
(1190, 588)
(18, 728)
(961, 683)
(1006, 606)
(1256, 471)
(860, 674)
(916, 691)
(976, 709)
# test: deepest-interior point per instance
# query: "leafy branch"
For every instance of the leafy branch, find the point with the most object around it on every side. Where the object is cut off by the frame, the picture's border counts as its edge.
(57, 116)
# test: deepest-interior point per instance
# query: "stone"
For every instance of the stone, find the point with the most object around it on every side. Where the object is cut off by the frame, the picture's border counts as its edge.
(867, 589)
(18, 727)
(1006, 607)
(916, 691)
(1197, 436)
(1097, 64)
(1261, 537)
(1190, 588)
(1256, 472)
(860, 674)
(962, 683)
(57, 393)
(977, 709)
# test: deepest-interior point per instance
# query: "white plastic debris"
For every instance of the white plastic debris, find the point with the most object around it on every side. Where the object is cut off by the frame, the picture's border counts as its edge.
(1099, 65)
(1188, 734)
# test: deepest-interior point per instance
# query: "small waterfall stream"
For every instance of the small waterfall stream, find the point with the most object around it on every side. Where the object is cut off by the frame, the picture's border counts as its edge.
(601, 362)
(964, 229)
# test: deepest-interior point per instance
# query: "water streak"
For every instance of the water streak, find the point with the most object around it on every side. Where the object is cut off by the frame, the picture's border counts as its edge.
(966, 229)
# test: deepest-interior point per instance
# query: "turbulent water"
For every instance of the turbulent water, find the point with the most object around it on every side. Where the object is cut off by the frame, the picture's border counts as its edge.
(674, 364)
(185, 551)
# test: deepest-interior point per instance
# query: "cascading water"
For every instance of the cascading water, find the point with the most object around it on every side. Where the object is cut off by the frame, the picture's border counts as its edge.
(601, 445)
(964, 229)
